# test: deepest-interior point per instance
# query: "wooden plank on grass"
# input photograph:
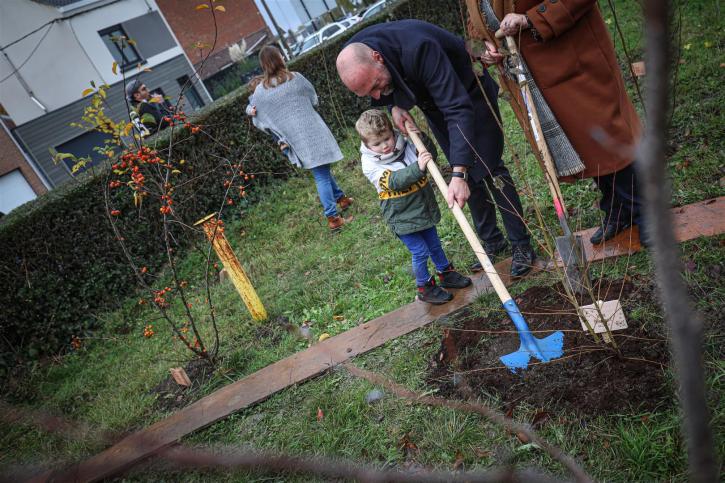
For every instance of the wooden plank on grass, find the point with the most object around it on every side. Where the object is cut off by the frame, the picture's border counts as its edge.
(706, 218)
(263, 383)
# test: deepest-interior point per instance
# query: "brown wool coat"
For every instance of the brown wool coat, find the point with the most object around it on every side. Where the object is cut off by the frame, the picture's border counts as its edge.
(576, 69)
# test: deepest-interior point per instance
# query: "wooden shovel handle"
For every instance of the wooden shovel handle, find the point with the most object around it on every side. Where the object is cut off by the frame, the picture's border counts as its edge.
(471, 236)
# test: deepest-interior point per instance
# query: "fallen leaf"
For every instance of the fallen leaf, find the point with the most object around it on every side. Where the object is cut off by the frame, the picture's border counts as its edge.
(220, 8)
(708, 44)
(458, 464)
(338, 318)
(482, 453)
(323, 337)
(510, 411)
(522, 437)
(202, 6)
(606, 444)
(540, 418)
(644, 419)
(320, 415)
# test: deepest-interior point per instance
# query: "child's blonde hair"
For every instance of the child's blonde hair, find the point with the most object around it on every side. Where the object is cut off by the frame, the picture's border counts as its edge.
(373, 123)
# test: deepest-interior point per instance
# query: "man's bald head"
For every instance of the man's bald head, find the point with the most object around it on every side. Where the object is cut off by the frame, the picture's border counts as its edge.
(363, 71)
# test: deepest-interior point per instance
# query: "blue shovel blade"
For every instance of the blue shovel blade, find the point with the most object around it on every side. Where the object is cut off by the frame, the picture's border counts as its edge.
(550, 347)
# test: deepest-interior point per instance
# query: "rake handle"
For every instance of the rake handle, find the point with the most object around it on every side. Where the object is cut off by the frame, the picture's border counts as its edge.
(471, 236)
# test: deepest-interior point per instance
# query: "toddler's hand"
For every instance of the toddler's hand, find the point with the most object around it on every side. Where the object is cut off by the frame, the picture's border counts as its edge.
(423, 160)
(253, 111)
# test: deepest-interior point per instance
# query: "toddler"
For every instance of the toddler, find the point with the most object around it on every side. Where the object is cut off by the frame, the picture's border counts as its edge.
(407, 201)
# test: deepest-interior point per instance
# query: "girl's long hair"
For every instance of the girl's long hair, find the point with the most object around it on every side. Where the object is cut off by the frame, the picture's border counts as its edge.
(273, 68)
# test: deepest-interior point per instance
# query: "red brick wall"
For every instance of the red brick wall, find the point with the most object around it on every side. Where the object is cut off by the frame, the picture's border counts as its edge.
(11, 158)
(241, 19)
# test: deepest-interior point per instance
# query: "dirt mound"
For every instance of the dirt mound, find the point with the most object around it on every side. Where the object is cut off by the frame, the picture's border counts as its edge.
(170, 396)
(589, 378)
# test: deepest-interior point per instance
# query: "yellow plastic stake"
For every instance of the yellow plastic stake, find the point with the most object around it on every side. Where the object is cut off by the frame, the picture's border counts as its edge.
(215, 234)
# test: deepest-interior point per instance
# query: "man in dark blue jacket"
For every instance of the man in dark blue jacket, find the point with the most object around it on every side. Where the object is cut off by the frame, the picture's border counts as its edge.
(413, 63)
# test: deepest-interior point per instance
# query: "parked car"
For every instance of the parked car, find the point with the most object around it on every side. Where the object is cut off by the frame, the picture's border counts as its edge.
(325, 33)
(349, 21)
(373, 10)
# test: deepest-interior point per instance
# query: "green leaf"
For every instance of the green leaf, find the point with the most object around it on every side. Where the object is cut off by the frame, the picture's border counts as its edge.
(148, 119)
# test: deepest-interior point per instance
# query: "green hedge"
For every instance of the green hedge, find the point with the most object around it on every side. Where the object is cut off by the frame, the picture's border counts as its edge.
(60, 264)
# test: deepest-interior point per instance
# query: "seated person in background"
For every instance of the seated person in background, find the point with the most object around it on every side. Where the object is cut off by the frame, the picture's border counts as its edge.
(407, 201)
(151, 114)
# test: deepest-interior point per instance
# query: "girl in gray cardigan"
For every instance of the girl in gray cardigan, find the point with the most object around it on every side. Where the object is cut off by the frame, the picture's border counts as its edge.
(283, 104)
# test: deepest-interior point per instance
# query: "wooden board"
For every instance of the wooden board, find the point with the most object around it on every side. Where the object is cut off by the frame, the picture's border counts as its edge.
(700, 219)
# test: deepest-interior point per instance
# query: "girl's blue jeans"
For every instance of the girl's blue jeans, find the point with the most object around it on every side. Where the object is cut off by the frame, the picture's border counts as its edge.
(424, 244)
(327, 189)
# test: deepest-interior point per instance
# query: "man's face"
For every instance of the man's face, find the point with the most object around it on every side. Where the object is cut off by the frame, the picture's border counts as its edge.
(142, 93)
(373, 80)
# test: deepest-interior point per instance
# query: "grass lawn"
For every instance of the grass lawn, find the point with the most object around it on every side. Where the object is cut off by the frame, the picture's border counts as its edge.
(302, 272)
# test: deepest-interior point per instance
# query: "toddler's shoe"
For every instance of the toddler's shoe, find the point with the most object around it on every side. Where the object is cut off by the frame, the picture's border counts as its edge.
(433, 294)
(449, 278)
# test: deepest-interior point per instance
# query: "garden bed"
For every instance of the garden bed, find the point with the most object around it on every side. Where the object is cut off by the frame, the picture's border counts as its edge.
(589, 378)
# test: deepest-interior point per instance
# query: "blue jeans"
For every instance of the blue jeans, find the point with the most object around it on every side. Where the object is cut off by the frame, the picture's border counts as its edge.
(327, 189)
(424, 244)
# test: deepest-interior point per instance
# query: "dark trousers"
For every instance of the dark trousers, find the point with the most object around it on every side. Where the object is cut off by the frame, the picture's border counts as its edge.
(483, 208)
(620, 197)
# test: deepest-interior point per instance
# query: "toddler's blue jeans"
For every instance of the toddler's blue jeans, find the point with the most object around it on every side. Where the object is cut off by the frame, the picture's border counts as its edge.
(424, 244)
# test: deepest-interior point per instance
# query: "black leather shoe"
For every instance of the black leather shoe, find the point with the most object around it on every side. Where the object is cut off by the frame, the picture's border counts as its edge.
(492, 250)
(607, 232)
(522, 260)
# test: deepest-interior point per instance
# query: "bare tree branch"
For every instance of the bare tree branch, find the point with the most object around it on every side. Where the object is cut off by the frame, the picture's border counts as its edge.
(685, 323)
(495, 416)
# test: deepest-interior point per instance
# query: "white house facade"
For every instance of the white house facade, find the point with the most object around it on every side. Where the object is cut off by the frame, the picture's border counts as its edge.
(51, 51)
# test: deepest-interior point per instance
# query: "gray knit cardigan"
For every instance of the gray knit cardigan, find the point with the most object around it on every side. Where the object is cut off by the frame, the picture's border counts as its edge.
(288, 111)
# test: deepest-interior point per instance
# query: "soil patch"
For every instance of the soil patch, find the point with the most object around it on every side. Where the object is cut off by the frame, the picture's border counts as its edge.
(170, 396)
(589, 378)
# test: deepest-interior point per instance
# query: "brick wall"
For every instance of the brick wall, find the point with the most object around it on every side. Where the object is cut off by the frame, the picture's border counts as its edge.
(11, 158)
(241, 19)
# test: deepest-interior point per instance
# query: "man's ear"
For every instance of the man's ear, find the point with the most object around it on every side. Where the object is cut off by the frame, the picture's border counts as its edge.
(377, 57)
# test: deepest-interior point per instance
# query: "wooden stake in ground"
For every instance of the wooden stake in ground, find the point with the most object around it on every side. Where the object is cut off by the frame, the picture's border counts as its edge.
(214, 230)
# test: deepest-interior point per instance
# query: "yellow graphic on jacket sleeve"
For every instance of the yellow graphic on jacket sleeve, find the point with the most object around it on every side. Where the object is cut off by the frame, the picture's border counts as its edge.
(388, 193)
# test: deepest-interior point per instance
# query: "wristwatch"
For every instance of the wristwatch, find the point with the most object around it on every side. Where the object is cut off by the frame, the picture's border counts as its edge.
(460, 174)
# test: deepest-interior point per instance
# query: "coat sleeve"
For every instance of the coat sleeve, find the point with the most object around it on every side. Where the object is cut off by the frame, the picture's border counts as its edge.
(400, 179)
(552, 19)
(435, 71)
(308, 89)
